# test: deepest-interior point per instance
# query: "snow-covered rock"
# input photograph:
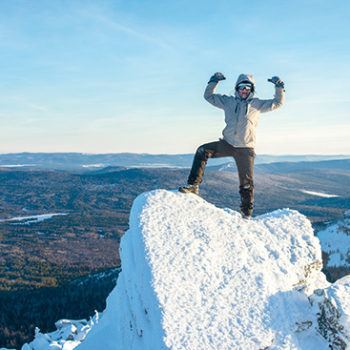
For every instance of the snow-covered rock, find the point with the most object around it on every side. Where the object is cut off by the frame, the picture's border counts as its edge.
(199, 277)
(69, 335)
(196, 277)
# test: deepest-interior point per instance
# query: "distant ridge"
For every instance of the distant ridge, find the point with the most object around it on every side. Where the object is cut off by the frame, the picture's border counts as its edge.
(282, 167)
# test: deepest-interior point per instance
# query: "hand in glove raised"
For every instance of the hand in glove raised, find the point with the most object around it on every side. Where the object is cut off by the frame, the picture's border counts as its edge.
(277, 81)
(216, 78)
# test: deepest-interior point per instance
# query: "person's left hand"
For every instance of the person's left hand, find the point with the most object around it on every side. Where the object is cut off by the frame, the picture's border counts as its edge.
(277, 81)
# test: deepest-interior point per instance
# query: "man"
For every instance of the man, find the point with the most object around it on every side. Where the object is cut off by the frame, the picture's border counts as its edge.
(242, 113)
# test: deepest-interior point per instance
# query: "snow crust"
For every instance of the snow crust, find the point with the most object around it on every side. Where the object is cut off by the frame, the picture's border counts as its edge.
(199, 277)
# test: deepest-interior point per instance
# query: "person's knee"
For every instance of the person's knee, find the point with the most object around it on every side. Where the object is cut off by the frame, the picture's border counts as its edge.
(200, 150)
(202, 153)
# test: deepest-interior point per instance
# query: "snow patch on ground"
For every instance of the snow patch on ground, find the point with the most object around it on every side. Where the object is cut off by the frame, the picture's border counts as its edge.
(32, 219)
(99, 165)
(320, 194)
(16, 165)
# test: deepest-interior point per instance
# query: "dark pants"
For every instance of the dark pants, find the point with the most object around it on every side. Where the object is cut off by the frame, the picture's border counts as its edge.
(244, 158)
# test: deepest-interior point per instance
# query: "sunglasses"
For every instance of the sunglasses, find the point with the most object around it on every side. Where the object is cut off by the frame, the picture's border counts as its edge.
(244, 86)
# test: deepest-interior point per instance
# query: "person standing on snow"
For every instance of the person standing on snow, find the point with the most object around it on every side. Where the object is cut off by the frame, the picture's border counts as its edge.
(242, 113)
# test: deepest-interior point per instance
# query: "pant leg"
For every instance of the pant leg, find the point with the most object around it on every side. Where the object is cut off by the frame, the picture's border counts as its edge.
(217, 149)
(244, 158)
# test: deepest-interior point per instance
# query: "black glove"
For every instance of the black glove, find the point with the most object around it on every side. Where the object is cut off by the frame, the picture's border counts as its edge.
(277, 81)
(216, 78)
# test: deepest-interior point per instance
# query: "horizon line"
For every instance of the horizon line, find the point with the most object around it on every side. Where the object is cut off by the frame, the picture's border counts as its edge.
(177, 154)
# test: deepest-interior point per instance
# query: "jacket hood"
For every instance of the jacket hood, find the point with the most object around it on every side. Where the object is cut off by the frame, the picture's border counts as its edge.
(245, 78)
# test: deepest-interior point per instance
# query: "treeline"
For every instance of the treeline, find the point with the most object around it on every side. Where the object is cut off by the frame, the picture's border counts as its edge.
(22, 311)
(335, 273)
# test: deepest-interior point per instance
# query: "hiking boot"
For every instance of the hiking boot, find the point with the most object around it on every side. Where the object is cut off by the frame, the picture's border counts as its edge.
(247, 198)
(245, 216)
(246, 212)
(189, 189)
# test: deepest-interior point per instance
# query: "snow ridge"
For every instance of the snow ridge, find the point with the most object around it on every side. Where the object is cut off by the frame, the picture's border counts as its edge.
(199, 277)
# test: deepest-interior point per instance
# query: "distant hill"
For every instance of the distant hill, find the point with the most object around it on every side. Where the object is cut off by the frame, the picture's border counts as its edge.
(88, 162)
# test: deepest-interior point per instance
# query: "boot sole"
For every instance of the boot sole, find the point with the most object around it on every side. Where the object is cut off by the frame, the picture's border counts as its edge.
(185, 191)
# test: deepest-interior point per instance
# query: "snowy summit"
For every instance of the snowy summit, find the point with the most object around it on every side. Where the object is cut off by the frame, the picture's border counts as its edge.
(199, 277)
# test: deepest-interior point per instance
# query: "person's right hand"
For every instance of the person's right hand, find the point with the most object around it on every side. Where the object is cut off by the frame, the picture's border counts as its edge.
(216, 78)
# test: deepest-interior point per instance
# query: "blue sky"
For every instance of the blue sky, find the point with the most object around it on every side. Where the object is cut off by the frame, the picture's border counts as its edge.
(129, 76)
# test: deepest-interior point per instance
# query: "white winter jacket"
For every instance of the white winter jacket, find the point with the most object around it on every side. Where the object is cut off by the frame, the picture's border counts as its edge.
(242, 116)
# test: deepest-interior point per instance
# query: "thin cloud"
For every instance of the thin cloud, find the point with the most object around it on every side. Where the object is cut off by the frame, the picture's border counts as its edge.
(37, 107)
(131, 31)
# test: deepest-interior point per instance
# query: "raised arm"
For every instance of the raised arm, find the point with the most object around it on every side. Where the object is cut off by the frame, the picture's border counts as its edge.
(217, 100)
(277, 101)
